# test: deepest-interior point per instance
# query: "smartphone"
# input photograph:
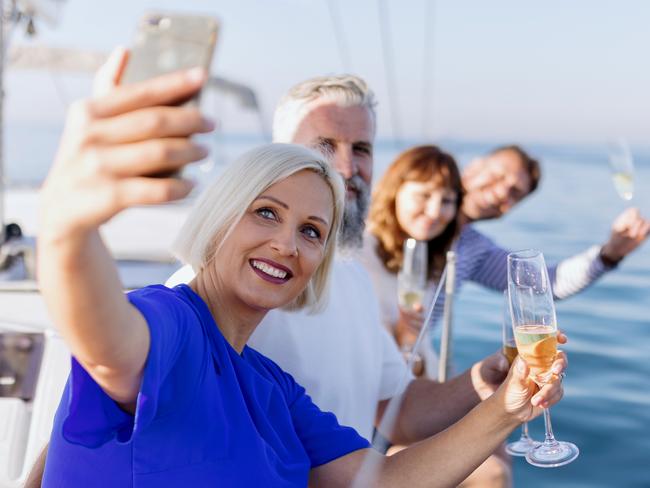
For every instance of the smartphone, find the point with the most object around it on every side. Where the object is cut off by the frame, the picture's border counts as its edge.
(167, 42)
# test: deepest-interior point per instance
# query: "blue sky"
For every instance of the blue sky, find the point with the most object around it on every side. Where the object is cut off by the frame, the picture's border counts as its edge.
(500, 71)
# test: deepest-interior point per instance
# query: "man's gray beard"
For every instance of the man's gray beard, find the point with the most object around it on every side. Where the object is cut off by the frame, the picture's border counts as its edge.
(354, 216)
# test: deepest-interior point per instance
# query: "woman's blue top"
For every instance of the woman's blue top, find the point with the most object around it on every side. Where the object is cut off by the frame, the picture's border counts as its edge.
(205, 415)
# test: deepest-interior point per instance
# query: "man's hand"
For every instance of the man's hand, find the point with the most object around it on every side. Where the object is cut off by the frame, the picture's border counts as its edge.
(629, 230)
(489, 373)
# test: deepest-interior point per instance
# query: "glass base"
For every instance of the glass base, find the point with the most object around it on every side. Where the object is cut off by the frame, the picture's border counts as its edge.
(521, 447)
(552, 454)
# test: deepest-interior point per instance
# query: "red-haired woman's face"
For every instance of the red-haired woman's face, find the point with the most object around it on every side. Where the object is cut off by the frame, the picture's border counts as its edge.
(424, 209)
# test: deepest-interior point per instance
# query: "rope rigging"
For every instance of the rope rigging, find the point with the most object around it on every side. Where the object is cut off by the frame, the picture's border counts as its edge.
(389, 69)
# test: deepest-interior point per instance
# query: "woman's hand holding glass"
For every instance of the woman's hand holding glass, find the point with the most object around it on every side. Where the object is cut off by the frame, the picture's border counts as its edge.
(524, 399)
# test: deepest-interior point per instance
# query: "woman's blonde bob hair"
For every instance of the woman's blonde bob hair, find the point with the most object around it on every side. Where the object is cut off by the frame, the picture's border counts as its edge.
(222, 205)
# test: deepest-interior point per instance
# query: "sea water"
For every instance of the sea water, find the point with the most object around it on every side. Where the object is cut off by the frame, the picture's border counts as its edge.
(606, 407)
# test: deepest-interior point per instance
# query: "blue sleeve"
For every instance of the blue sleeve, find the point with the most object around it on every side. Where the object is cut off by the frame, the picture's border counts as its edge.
(93, 418)
(322, 437)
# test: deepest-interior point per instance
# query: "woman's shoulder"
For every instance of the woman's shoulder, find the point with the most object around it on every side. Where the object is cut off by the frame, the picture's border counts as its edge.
(162, 305)
(160, 294)
(154, 292)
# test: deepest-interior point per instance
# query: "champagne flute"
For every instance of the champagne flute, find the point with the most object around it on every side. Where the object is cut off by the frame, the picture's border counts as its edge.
(535, 328)
(412, 277)
(525, 443)
(411, 287)
(622, 165)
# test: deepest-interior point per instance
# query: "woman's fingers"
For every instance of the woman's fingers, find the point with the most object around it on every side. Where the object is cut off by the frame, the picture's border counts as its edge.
(168, 89)
(70, 207)
(145, 158)
(130, 192)
(518, 389)
(152, 123)
(560, 364)
(523, 397)
(114, 143)
(548, 395)
(520, 369)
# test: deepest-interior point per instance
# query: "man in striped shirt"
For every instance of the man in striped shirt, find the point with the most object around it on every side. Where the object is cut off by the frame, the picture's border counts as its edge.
(496, 183)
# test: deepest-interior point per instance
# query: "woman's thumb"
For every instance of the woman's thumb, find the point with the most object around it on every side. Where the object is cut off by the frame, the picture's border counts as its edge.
(520, 371)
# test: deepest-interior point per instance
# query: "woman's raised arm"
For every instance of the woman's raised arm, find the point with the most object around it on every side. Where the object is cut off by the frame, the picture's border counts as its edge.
(113, 150)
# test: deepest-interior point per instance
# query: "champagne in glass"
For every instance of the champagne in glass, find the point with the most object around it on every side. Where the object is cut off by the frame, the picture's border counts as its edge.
(510, 352)
(622, 165)
(412, 278)
(537, 344)
(524, 444)
(535, 329)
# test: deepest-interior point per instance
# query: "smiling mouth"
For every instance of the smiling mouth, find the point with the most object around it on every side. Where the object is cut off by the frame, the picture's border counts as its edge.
(269, 272)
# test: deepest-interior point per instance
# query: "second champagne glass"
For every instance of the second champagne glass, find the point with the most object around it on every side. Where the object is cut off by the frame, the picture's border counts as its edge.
(412, 277)
(535, 329)
(524, 444)
(622, 165)
(411, 287)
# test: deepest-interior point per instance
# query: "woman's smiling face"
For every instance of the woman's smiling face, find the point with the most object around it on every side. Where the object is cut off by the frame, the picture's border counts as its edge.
(424, 209)
(274, 250)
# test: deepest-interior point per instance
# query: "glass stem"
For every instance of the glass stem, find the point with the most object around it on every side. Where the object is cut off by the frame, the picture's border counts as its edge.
(524, 431)
(548, 438)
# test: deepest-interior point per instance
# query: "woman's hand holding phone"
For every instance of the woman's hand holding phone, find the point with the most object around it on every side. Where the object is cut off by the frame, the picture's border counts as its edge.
(114, 143)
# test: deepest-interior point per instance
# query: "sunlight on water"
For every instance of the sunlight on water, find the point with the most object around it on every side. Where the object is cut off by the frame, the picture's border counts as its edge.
(606, 408)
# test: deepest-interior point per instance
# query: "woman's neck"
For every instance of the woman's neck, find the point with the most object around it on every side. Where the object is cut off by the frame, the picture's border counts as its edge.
(235, 319)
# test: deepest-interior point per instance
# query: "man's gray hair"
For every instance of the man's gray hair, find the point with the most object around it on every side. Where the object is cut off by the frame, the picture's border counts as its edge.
(343, 90)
